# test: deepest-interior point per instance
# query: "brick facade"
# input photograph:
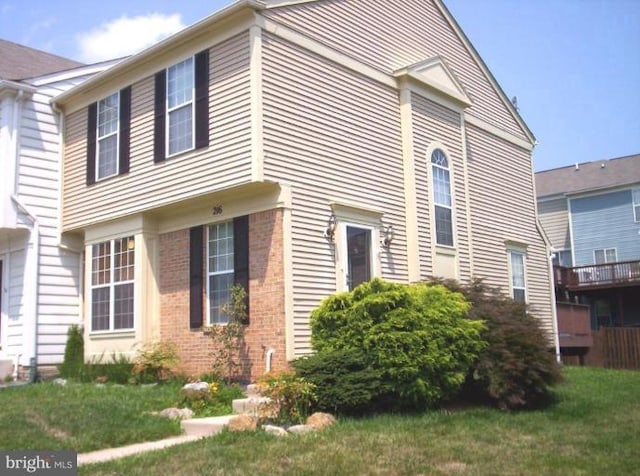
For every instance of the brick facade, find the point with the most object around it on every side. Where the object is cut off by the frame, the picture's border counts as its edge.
(266, 329)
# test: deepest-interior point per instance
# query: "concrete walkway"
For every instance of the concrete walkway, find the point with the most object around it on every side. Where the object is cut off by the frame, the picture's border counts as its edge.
(194, 429)
(115, 453)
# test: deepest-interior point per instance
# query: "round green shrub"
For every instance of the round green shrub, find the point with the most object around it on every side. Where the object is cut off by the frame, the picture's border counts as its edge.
(344, 381)
(416, 337)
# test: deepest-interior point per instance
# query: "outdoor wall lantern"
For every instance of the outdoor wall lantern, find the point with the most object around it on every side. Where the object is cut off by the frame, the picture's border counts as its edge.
(388, 236)
(330, 231)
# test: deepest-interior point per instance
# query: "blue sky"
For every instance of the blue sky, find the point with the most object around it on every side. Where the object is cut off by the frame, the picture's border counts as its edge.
(573, 64)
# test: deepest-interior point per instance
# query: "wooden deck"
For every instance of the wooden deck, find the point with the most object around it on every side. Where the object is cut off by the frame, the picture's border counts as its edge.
(597, 276)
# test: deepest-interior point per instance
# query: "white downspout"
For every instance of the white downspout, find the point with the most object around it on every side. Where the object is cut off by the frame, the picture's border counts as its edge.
(269, 358)
(554, 305)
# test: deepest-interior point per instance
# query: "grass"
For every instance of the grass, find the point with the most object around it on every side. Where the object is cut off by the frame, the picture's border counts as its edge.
(591, 430)
(84, 417)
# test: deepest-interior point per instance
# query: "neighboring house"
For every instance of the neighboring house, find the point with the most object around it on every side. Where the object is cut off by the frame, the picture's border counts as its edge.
(591, 214)
(39, 273)
(296, 148)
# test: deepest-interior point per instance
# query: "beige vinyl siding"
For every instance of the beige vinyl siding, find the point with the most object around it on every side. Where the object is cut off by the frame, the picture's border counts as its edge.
(502, 209)
(225, 163)
(433, 122)
(362, 30)
(554, 217)
(332, 135)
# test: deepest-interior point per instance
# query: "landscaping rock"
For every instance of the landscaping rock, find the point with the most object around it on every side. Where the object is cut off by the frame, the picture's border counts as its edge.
(275, 430)
(177, 413)
(301, 429)
(243, 423)
(321, 420)
(195, 387)
(59, 381)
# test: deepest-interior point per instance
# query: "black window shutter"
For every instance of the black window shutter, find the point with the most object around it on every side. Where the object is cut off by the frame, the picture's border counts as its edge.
(241, 256)
(160, 109)
(196, 278)
(202, 99)
(125, 130)
(92, 123)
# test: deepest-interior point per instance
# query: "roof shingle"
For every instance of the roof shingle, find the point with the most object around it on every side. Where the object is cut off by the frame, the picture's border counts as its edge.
(21, 62)
(587, 176)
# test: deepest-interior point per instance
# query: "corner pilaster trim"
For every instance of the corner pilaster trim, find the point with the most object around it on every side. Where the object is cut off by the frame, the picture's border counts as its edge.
(257, 121)
(410, 197)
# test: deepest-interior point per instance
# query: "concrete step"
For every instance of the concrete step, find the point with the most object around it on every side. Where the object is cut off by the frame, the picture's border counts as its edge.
(253, 391)
(249, 405)
(205, 426)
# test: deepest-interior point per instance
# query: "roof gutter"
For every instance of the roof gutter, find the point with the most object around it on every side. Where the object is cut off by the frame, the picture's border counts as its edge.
(180, 37)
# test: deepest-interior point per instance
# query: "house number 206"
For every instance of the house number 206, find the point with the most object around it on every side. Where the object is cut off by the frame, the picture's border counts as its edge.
(217, 210)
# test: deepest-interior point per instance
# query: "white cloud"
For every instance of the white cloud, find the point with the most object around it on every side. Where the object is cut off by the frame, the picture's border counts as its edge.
(126, 36)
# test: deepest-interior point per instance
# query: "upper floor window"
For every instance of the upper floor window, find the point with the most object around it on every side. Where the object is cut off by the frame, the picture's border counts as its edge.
(441, 177)
(180, 85)
(112, 284)
(108, 136)
(605, 255)
(182, 107)
(563, 258)
(636, 205)
(517, 272)
(107, 153)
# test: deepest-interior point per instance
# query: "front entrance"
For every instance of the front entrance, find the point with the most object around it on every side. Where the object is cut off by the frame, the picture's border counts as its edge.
(358, 256)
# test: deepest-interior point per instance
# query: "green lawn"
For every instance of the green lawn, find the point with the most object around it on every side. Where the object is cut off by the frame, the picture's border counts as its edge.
(594, 429)
(83, 417)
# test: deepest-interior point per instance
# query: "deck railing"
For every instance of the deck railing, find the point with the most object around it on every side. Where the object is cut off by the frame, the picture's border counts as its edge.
(609, 274)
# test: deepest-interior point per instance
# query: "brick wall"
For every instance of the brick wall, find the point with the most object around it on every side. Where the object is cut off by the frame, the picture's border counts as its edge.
(266, 329)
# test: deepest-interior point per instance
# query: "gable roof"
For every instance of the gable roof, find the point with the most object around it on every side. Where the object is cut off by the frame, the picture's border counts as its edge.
(21, 62)
(448, 16)
(588, 176)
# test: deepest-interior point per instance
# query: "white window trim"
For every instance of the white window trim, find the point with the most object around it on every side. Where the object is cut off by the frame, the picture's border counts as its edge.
(635, 195)
(98, 138)
(604, 251)
(521, 250)
(111, 286)
(432, 206)
(169, 110)
(210, 273)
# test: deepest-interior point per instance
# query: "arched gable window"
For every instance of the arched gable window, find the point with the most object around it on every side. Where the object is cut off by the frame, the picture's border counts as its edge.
(441, 176)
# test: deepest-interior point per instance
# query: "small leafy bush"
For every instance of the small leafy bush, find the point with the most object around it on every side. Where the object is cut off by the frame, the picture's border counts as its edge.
(213, 401)
(344, 381)
(415, 336)
(73, 364)
(117, 370)
(156, 362)
(228, 340)
(292, 398)
(516, 370)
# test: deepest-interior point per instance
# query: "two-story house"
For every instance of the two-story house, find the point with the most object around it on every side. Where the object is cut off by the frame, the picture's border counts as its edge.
(297, 148)
(591, 213)
(39, 272)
